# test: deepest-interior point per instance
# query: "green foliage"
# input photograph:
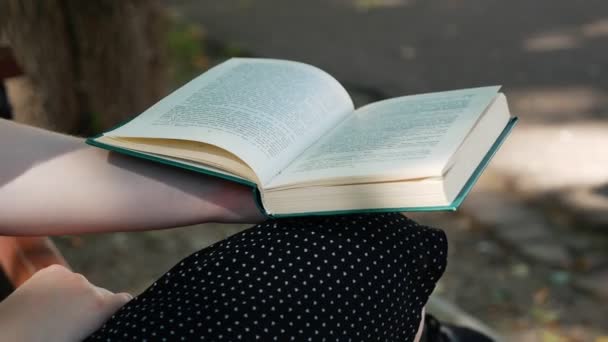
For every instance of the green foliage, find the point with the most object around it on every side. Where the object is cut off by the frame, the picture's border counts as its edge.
(187, 57)
(191, 52)
(94, 124)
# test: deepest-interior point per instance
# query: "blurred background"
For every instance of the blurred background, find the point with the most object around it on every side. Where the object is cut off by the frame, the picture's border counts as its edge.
(528, 249)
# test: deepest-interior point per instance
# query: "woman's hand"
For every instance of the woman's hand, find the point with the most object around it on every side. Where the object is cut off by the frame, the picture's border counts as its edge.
(56, 305)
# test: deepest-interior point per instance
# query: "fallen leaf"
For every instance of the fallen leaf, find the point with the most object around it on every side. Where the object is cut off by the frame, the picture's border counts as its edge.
(544, 316)
(520, 270)
(541, 295)
(76, 241)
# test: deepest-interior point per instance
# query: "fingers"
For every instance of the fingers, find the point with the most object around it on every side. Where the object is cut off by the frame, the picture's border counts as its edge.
(103, 292)
(106, 304)
(84, 307)
(111, 302)
(116, 301)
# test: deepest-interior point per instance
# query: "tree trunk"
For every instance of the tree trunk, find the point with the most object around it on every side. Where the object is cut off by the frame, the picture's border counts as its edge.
(87, 64)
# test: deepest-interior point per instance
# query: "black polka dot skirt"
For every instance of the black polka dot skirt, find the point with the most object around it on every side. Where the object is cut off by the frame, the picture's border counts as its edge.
(334, 278)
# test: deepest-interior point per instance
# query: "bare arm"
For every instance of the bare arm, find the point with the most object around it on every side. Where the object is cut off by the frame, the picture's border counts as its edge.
(55, 184)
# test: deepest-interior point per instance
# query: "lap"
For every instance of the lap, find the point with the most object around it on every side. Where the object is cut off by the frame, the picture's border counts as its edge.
(350, 277)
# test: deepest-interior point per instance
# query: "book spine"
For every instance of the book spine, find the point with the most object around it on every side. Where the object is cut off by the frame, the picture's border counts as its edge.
(257, 195)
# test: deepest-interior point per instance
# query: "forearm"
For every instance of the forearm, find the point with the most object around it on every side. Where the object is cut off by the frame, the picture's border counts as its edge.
(76, 189)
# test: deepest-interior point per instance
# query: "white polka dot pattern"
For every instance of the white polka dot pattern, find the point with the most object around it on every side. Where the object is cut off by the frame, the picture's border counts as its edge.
(335, 278)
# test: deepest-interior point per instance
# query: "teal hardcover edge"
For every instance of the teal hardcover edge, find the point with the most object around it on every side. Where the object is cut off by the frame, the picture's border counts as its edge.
(451, 207)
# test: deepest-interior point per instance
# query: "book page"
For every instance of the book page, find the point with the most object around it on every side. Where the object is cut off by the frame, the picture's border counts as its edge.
(402, 138)
(264, 111)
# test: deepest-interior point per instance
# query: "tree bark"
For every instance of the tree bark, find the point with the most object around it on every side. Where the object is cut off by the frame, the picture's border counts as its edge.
(86, 63)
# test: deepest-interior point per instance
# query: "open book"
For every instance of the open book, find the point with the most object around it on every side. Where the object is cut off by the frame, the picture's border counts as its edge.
(290, 131)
